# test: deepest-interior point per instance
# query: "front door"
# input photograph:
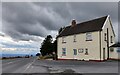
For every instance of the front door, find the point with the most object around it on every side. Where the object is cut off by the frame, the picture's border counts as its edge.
(103, 53)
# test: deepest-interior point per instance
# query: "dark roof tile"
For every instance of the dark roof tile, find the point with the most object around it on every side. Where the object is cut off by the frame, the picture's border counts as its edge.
(88, 26)
(116, 45)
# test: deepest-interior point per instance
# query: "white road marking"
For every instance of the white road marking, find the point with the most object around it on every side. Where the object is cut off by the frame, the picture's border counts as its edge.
(29, 66)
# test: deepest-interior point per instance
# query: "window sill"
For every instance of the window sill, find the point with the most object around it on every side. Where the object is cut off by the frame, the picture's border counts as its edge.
(63, 55)
(74, 41)
(86, 54)
(63, 42)
(88, 40)
(111, 51)
(105, 40)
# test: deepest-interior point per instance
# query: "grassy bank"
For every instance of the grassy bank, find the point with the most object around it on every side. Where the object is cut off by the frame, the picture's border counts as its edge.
(45, 57)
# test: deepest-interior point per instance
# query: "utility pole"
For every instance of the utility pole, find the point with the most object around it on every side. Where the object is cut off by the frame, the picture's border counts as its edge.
(107, 43)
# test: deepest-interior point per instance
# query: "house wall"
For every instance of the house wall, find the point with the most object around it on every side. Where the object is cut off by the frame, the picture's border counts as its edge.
(114, 54)
(104, 43)
(93, 47)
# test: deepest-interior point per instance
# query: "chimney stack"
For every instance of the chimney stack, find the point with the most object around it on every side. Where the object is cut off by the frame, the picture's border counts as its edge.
(73, 23)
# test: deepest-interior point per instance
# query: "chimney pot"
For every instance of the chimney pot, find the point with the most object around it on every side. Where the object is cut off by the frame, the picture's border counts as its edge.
(73, 23)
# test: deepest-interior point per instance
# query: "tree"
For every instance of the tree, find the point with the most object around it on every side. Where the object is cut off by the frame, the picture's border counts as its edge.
(38, 54)
(55, 46)
(47, 46)
(55, 50)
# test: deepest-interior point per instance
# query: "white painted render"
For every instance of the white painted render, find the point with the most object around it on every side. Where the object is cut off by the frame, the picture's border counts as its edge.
(108, 25)
(114, 54)
(93, 51)
(95, 47)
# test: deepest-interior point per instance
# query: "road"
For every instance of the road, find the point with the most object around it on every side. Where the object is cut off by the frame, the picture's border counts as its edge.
(32, 65)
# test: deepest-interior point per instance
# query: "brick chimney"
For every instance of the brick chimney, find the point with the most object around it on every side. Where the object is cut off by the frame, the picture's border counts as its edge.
(73, 23)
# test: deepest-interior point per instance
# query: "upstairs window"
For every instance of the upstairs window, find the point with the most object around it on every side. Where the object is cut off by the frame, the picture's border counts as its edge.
(111, 39)
(89, 36)
(63, 51)
(63, 40)
(74, 38)
(105, 36)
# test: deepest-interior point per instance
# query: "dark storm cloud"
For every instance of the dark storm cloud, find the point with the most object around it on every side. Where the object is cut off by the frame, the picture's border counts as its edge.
(61, 9)
(23, 20)
(82, 11)
(119, 22)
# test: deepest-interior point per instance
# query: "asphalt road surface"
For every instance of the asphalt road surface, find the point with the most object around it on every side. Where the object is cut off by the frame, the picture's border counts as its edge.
(32, 65)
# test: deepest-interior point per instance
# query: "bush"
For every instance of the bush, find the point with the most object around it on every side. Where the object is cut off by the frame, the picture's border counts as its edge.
(46, 57)
(38, 54)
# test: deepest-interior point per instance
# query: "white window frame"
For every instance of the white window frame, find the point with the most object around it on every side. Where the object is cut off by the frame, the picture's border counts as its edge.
(88, 36)
(63, 40)
(63, 51)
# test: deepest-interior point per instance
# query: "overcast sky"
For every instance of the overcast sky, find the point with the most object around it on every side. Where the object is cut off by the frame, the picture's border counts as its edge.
(26, 24)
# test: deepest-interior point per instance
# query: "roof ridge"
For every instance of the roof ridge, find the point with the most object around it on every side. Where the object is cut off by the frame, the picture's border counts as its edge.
(90, 20)
(93, 19)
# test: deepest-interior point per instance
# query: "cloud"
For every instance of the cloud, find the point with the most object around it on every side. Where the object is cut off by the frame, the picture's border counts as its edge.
(8, 45)
(119, 22)
(11, 43)
(39, 18)
(33, 21)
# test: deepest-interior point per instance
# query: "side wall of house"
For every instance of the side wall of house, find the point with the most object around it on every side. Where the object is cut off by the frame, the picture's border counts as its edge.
(112, 54)
(81, 43)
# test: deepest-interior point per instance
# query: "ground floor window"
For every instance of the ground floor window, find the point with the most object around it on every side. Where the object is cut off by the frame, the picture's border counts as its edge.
(75, 51)
(80, 50)
(63, 51)
(86, 51)
(111, 49)
(118, 51)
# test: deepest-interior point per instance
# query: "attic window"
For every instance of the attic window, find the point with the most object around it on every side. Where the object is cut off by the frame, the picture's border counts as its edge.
(89, 36)
(111, 39)
(105, 36)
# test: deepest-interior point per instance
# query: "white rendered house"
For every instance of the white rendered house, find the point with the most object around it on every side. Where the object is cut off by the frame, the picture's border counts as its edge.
(90, 40)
